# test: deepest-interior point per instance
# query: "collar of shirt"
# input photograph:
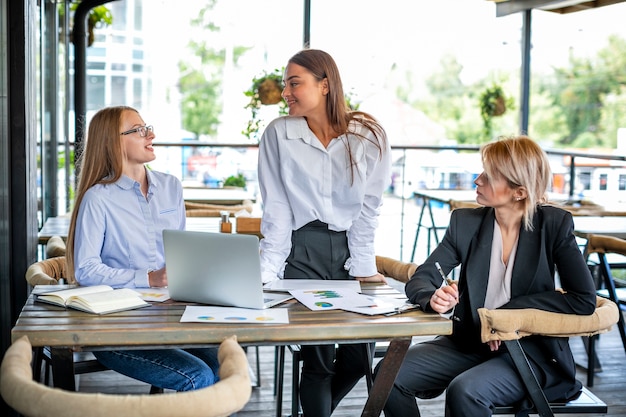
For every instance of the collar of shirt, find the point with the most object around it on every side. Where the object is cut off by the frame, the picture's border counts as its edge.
(127, 183)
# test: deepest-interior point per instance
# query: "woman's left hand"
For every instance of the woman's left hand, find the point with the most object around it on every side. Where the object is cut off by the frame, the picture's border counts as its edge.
(494, 345)
(373, 278)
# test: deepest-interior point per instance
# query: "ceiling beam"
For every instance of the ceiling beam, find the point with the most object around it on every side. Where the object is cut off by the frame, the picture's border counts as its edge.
(507, 7)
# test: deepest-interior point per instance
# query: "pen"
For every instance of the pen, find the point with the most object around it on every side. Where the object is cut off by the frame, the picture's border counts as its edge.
(445, 280)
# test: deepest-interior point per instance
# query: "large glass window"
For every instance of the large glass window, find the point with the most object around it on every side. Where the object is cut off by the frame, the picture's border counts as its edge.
(95, 92)
(391, 62)
(118, 90)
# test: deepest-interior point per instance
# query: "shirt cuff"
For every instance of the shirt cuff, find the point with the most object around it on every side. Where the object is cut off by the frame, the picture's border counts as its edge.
(365, 268)
(141, 279)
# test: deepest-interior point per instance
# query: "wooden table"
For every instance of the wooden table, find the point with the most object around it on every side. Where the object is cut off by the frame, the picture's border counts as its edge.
(600, 225)
(159, 326)
(59, 226)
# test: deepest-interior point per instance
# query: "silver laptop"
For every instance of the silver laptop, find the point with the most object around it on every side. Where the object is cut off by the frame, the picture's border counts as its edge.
(216, 268)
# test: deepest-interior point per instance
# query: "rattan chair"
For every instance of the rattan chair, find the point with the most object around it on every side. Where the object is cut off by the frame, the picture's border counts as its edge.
(509, 326)
(601, 246)
(32, 399)
(52, 271)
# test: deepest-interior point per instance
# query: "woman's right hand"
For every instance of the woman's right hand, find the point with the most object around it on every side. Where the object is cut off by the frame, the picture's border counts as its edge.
(445, 298)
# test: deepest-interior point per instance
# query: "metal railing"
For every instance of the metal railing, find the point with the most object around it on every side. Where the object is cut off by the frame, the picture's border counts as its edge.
(571, 163)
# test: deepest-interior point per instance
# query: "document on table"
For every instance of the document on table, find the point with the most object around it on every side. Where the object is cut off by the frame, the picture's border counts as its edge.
(286, 285)
(233, 315)
(153, 294)
(348, 300)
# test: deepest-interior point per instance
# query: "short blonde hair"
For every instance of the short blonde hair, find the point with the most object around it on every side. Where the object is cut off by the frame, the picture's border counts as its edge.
(522, 163)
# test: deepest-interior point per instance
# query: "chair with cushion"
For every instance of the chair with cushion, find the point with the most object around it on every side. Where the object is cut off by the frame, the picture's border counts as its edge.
(509, 326)
(32, 399)
(55, 247)
(52, 271)
(390, 268)
(601, 246)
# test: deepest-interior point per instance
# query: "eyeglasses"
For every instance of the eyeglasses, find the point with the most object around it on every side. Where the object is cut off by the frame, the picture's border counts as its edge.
(143, 130)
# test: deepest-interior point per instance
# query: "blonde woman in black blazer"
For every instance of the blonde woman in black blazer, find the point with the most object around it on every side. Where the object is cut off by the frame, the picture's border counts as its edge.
(509, 253)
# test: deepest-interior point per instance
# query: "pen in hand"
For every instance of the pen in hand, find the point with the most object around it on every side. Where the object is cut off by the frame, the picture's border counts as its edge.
(446, 280)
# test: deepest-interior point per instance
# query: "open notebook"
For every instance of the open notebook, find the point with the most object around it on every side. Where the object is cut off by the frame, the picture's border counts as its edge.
(217, 269)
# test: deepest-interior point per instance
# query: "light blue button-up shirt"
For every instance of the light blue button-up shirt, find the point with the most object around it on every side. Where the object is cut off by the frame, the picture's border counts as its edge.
(119, 232)
(301, 181)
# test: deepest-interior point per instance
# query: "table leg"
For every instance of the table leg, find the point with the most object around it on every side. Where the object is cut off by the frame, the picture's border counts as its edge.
(279, 377)
(386, 376)
(63, 368)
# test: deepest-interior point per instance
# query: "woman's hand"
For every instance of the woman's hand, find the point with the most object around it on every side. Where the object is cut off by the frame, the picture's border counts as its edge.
(158, 278)
(445, 298)
(373, 278)
(494, 345)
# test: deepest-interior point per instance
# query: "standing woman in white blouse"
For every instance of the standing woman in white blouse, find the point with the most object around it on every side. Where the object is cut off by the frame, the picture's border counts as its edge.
(322, 172)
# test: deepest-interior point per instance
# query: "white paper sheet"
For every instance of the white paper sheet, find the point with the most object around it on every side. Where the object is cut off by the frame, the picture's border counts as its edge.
(153, 294)
(234, 315)
(286, 285)
(346, 299)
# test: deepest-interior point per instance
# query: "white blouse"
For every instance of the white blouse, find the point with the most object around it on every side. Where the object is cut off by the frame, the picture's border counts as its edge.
(499, 286)
(301, 181)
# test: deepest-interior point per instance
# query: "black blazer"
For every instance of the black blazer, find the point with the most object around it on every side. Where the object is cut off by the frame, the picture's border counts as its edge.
(550, 246)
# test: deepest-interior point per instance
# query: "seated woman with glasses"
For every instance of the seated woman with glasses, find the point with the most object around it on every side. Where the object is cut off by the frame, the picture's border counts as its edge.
(115, 237)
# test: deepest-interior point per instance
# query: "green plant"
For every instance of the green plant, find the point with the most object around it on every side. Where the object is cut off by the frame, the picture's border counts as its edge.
(98, 17)
(493, 103)
(265, 90)
(235, 181)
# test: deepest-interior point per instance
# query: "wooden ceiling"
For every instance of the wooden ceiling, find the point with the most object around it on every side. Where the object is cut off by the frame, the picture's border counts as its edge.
(506, 7)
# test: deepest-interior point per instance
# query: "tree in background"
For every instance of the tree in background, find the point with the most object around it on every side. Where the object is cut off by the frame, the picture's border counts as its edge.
(580, 105)
(200, 81)
(613, 59)
(457, 107)
(590, 94)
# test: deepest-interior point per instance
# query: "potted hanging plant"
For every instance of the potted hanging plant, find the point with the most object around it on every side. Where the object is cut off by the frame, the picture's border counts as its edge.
(493, 103)
(98, 17)
(265, 90)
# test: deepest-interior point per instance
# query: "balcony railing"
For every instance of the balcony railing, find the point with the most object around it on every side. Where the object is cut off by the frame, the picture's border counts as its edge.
(599, 178)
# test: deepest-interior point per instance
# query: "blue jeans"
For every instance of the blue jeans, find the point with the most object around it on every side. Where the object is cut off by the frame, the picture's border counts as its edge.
(175, 369)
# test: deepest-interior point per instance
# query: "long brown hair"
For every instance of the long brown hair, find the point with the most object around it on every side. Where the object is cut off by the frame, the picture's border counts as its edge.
(101, 162)
(321, 65)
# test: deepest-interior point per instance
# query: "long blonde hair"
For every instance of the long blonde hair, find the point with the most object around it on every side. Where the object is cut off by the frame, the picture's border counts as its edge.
(321, 65)
(101, 162)
(522, 163)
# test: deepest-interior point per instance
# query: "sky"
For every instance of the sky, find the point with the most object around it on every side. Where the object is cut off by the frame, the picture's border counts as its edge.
(368, 37)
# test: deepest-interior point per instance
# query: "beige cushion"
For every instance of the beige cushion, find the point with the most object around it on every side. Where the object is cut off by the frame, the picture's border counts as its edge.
(55, 247)
(503, 324)
(46, 272)
(33, 399)
(605, 244)
(214, 210)
(398, 270)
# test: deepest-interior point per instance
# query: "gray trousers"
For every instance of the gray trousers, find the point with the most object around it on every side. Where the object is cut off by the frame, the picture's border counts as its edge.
(328, 372)
(474, 382)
